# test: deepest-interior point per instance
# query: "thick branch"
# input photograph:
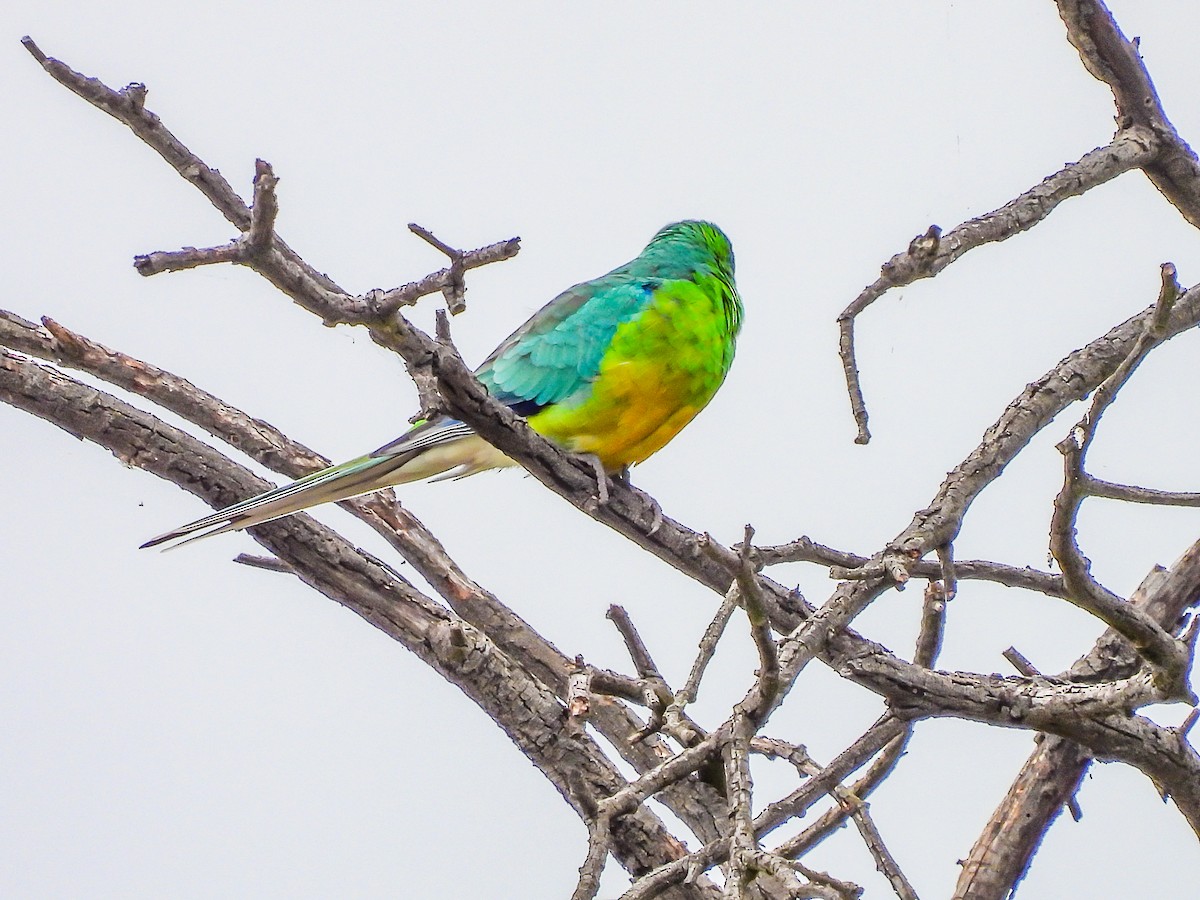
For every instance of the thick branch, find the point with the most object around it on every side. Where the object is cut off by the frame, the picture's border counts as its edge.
(1110, 57)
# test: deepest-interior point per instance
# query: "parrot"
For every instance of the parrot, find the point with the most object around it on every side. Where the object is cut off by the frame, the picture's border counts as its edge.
(611, 369)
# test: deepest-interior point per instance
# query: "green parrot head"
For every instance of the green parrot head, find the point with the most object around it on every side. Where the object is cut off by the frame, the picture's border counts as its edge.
(702, 244)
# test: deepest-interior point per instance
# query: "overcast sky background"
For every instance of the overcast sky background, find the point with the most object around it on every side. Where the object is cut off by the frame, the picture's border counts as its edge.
(175, 725)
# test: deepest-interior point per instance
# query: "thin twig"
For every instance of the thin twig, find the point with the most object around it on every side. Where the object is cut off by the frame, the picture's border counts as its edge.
(874, 739)
(455, 289)
(796, 754)
(264, 210)
(708, 646)
(286, 269)
(844, 890)
(805, 549)
(270, 563)
(643, 662)
(593, 865)
(834, 817)
(1096, 487)
(1185, 726)
(928, 645)
(187, 258)
(674, 719)
(668, 772)
(1019, 662)
(743, 843)
(884, 861)
(714, 852)
(945, 555)
(933, 621)
(750, 593)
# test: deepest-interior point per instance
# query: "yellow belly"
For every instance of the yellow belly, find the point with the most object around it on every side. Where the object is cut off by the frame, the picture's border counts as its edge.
(635, 408)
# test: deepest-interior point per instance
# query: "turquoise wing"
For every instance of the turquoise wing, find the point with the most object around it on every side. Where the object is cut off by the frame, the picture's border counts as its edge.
(557, 353)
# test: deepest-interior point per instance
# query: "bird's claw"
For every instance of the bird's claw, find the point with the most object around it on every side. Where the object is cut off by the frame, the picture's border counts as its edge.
(601, 498)
(618, 477)
(656, 510)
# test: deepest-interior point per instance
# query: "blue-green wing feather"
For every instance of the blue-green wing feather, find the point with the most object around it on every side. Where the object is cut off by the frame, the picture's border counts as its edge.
(557, 353)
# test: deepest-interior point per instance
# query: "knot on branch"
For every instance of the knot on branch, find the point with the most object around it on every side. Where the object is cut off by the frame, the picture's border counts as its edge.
(135, 95)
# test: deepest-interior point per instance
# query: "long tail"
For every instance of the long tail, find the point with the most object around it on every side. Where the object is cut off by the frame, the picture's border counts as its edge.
(448, 449)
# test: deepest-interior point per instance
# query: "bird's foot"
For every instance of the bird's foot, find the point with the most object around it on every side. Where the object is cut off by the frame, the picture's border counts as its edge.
(601, 498)
(621, 476)
(655, 510)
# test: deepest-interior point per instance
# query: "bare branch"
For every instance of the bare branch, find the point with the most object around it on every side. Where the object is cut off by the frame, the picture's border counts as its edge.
(1072, 379)
(1095, 487)
(1051, 775)
(270, 563)
(593, 864)
(878, 736)
(455, 288)
(669, 772)
(57, 343)
(708, 646)
(188, 258)
(806, 550)
(277, 262)
(1020, 662)
(1082, 589)
(743, 843)
(849, 800)
(933, 621)
(834, 817)
(1188, 723)
(945, 555)
(750, 593)
(128, 106)
(931, 252)
(382, 305)
(884, 861)
(1110, 57)
(264, 210)
(643, 663)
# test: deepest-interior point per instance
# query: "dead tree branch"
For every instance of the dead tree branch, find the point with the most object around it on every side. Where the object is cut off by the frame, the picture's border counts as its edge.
(930, 253)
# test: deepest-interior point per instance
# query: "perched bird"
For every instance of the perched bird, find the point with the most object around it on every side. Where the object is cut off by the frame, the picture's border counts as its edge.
(612, 368)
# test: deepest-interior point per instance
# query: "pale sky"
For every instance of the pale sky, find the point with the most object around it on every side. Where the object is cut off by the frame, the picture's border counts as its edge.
(175, 725)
